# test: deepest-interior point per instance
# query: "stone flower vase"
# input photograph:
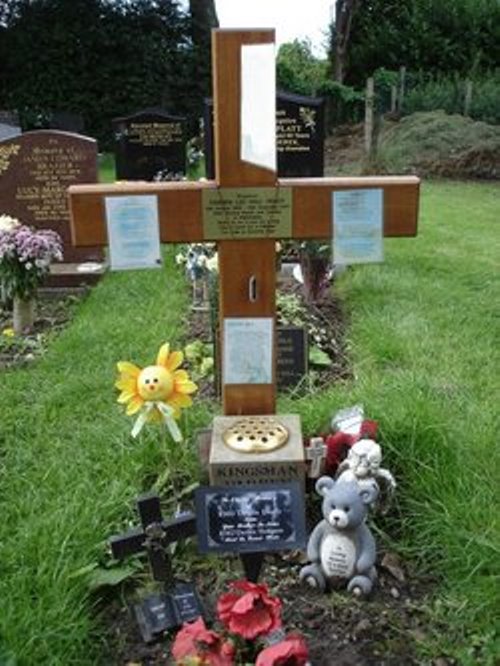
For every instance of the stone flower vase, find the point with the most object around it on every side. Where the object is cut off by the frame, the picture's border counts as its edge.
(23, 314)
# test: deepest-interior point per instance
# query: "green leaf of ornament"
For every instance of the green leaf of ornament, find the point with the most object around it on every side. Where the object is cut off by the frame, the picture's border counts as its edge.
(318, 357)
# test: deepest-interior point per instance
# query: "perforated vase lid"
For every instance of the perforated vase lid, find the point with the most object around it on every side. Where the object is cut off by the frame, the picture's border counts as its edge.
(256, 435)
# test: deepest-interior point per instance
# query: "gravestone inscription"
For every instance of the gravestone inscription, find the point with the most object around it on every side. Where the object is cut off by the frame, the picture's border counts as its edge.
(292, 355)
(36, 168)
(300, 135)
(149, 145)
(250, 519)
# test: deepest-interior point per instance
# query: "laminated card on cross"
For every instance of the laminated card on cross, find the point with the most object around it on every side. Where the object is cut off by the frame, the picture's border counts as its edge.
(246, 208)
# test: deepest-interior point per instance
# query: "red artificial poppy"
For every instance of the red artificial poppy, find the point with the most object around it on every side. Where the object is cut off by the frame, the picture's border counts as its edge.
(194, 640)
(292, 651)
(249, 611)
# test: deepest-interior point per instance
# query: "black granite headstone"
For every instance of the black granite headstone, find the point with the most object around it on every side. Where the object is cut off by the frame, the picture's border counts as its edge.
(251, 518)
(300, 136)
(149, 145)
(292, 355)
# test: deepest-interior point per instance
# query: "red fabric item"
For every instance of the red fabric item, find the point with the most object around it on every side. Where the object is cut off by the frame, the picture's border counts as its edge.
(248, 610)
(194, 640)
(290, 652)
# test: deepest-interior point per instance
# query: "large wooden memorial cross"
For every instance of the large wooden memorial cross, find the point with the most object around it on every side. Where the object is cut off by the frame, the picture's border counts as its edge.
(273, 208)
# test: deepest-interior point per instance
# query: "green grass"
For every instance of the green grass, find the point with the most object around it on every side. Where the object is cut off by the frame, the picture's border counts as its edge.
(422, 341)
(107, 173)
(430, 141)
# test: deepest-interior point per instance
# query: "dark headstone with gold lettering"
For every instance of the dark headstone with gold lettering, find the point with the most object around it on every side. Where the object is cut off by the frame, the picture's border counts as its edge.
(300, 136)
(292, 355)
(36, 169)
(149, 145)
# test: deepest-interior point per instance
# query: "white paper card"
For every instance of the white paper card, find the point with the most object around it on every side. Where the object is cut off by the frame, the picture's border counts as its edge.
(358, 226)
(258, 105)
(133, 232)
(248, 350)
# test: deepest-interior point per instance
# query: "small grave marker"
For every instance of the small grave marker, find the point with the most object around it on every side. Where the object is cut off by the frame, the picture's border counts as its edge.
(292, 355)
(316, 454)
(179, 602)
(149, 143)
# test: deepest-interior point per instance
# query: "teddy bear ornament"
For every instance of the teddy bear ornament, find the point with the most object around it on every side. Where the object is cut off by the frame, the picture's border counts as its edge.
(341, 547)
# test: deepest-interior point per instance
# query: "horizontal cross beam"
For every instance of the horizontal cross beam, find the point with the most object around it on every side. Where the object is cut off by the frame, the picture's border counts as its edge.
(133, 542)
(181, 216)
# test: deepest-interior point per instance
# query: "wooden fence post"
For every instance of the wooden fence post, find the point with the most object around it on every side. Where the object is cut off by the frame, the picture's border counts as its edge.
(468, 97)
(369, 104)
(394, 98)
(402, 81)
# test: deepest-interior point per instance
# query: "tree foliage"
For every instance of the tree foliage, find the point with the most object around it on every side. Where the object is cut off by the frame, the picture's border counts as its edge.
(298, 70)
(438, 36)
(99, 58)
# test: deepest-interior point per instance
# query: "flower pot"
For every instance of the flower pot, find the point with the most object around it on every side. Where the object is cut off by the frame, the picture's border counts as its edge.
(23, 314)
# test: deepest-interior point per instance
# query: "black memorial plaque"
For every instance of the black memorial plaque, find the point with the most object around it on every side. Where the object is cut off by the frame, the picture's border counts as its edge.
(292, 355)
(149, 145)
(250, 519)
(300, 136)
(186, 602)
(155, 615)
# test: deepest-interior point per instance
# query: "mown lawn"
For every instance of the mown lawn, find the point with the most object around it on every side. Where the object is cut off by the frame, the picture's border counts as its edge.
(425, 356)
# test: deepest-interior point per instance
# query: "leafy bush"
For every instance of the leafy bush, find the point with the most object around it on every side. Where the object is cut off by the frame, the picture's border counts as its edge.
(448, 93)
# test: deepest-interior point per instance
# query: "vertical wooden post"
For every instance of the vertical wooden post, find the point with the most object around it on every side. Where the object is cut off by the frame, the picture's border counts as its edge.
(468, 97)
(394, 98)
(402, 83)
(369, 104)
(240, 261)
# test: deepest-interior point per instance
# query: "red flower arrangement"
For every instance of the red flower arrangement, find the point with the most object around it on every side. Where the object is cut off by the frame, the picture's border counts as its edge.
(292, 651)
(197, 644)
(250, 615)
(249, 611)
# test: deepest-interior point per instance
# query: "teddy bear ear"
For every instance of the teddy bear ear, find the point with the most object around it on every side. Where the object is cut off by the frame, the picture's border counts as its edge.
(324, 484)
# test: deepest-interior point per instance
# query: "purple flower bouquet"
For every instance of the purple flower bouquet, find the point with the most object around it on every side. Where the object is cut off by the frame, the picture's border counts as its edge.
(25, 257)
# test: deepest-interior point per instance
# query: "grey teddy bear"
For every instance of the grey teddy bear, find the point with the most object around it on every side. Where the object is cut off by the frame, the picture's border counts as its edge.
(341, 546)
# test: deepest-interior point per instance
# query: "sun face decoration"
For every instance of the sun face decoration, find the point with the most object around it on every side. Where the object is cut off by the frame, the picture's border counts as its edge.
(158, 392)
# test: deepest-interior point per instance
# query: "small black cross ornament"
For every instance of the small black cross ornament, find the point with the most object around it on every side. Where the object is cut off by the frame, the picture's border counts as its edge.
(179, 602)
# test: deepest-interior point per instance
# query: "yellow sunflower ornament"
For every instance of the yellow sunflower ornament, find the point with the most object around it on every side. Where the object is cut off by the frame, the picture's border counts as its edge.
(158, 392)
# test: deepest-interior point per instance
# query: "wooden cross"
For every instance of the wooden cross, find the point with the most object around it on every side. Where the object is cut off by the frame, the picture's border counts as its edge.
(316, 453)
(154, 536)
(250, 261)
